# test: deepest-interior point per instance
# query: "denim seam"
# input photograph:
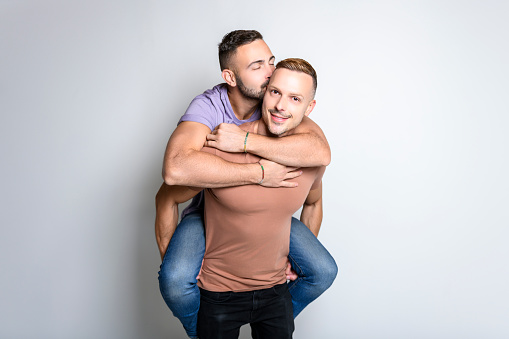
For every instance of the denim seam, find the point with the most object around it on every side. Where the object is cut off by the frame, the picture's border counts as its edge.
(296, 264)
(299, 278)
(295, 283)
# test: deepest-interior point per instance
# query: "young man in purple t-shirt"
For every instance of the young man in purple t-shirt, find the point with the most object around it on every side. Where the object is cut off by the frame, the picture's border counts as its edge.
(247, 64)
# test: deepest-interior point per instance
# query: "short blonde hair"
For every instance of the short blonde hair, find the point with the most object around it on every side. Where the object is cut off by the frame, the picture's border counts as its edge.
(299, 65)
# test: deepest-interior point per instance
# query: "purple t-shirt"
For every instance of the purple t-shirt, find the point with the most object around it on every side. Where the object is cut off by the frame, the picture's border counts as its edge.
(211, 109)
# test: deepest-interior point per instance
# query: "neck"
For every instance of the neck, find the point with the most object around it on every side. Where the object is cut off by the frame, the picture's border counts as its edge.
(243, 107)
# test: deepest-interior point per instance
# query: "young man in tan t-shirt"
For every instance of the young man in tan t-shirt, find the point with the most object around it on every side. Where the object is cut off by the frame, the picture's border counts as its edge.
(247, 227)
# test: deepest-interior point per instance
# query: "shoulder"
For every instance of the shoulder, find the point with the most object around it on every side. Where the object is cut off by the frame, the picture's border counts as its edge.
(208, 107)
(307, 125)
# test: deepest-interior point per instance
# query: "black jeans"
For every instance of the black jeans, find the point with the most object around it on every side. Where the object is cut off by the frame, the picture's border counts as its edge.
(268, 311)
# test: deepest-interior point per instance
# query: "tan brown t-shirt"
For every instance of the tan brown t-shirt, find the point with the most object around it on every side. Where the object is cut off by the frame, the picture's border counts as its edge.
(248, 229)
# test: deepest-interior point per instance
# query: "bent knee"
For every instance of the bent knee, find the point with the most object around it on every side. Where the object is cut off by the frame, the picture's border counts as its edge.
(326, 273)
(175, 283)
(331, 271)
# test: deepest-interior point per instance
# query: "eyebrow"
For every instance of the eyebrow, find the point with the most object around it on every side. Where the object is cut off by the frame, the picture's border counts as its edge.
(260, 61)
(296, 95)
(271, 87)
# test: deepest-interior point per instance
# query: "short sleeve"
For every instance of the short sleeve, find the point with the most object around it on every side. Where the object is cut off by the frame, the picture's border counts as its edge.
(203, 111)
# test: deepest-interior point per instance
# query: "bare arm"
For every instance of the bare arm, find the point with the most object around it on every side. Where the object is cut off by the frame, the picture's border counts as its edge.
(307, 147)
(185, 165)
(167, 200)
(312, 211)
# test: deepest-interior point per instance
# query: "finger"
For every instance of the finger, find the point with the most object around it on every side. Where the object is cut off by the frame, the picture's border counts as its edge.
(288, 269)
(292, 275)
(292, 175)
(289, 184)
(210, 143)
(291, 169)
(211, 136)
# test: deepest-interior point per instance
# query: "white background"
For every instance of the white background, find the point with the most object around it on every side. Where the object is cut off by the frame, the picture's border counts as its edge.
(412, 95)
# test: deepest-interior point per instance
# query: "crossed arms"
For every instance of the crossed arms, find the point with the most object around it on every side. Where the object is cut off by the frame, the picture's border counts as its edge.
(184, 164)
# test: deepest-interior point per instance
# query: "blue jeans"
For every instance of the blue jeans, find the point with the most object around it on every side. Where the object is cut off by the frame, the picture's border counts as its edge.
(181, 264)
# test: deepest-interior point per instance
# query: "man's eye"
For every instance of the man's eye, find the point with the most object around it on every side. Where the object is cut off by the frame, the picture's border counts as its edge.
(295, 99)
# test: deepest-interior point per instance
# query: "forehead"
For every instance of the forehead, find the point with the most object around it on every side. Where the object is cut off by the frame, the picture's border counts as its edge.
(294, 82)
(253, 51)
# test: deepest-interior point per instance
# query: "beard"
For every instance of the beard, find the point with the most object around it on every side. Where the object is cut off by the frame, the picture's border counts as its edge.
(274, 128)
(251, 93)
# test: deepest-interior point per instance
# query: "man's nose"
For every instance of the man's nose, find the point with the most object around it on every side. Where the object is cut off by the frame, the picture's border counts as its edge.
(280, 104)
(270, 70)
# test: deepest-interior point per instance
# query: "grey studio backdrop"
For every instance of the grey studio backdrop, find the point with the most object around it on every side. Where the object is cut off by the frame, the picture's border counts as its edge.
(412, 96)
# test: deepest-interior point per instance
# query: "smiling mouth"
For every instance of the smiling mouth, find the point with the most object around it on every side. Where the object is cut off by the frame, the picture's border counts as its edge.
(276, 117)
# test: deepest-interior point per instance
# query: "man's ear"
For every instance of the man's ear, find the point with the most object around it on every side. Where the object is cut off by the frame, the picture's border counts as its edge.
(229, 77)
(310, 107)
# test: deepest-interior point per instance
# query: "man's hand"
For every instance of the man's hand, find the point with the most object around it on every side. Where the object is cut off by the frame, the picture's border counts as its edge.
(290, 273)
(227, 138)
(276, 175)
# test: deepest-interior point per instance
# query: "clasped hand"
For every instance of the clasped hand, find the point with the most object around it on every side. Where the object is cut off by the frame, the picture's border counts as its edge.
(227, 138)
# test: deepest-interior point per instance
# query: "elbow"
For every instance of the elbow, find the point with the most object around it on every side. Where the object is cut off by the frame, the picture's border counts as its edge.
(176, 169)
(325, 158)
(172, 175)
(323, 153)
(169, 178)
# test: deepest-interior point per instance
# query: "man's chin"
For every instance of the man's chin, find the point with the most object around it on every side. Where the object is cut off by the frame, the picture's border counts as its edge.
(276, 131)
(262, 92)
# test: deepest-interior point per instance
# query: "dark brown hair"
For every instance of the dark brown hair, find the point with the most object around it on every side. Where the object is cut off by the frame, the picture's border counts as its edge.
(232, 41)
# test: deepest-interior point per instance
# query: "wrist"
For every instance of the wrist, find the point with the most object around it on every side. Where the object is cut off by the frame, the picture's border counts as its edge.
(245, 142)
(252, 143)
(263, 173)
(254, 173)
